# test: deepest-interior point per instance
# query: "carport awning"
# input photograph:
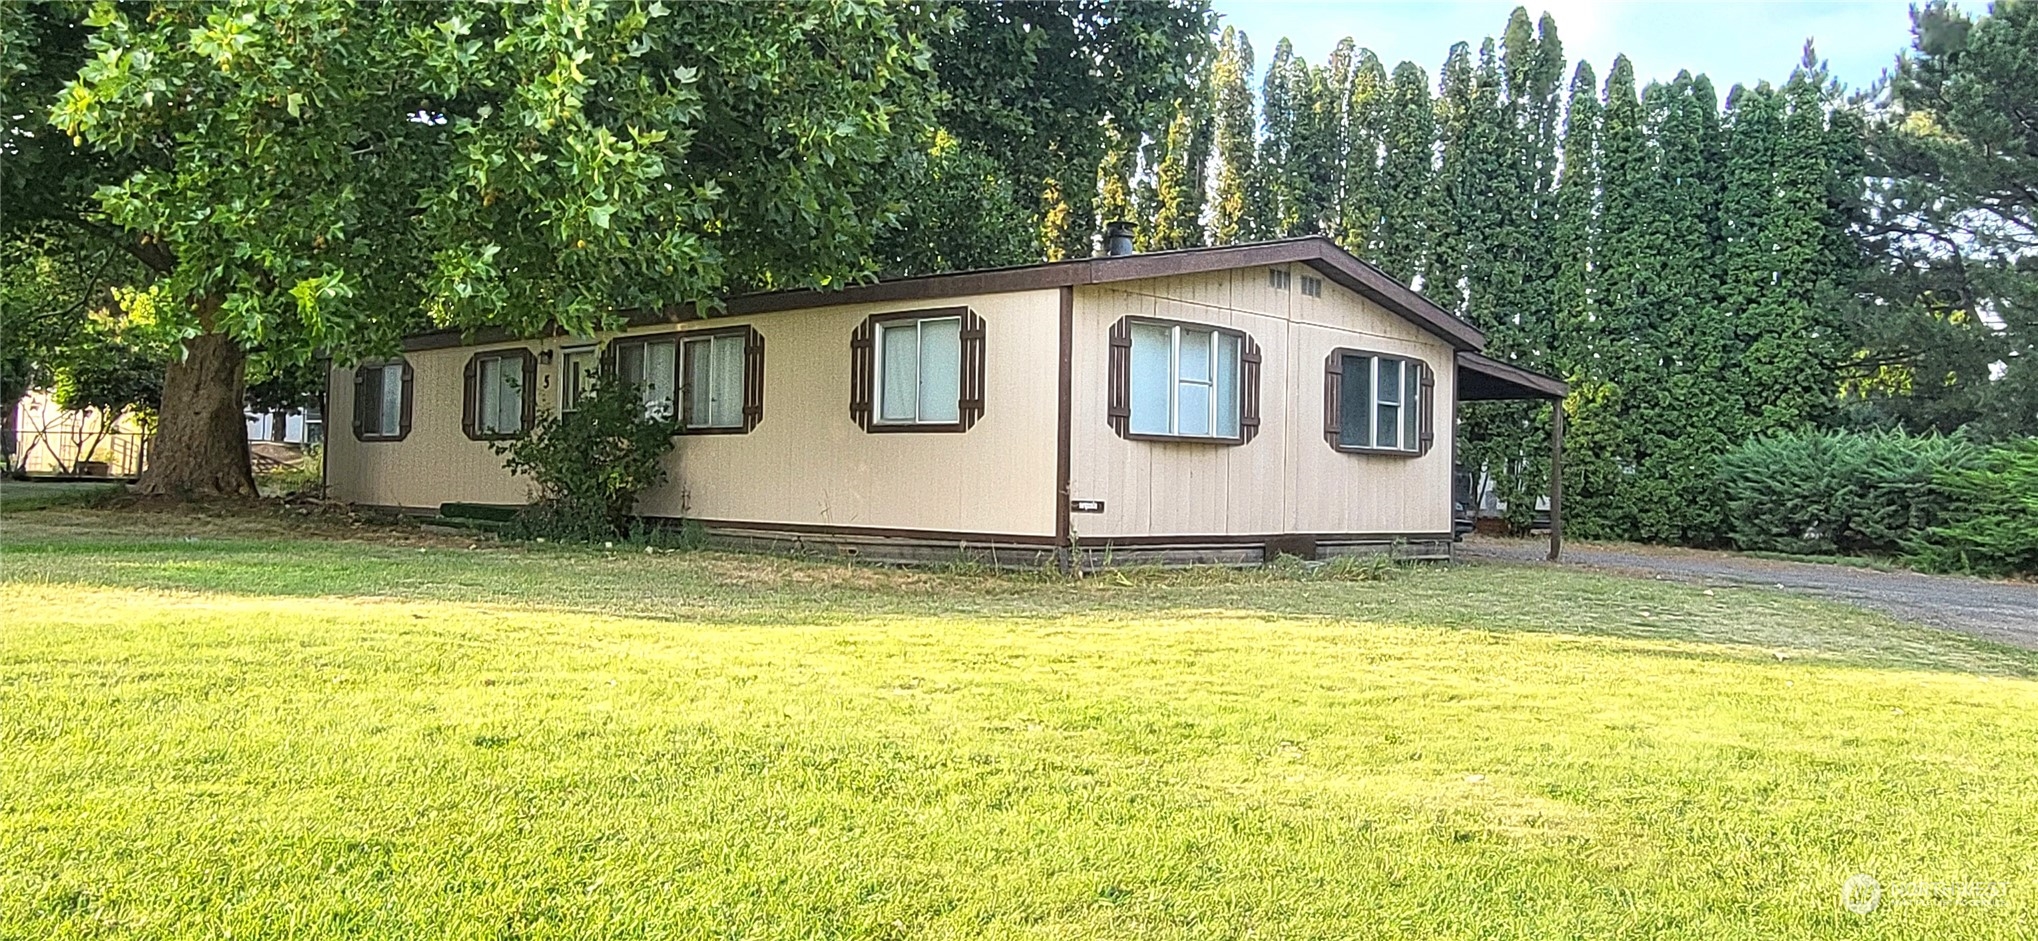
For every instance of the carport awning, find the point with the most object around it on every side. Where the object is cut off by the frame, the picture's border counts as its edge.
(1485, 379)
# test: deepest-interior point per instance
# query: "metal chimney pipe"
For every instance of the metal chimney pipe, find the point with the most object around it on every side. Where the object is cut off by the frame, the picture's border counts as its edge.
(1118, 237)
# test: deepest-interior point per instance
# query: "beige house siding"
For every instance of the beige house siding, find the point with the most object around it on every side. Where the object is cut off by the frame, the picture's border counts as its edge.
(805, 464)
(1287, 479)
(436, 463)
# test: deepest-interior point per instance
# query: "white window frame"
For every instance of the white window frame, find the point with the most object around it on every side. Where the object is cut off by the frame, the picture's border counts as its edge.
(1407, 405)
(708, 343)
(877, 399)
(1176, 382)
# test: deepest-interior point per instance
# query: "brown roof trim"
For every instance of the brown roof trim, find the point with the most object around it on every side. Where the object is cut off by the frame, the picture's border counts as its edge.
(1316, 251)
(1525, 384)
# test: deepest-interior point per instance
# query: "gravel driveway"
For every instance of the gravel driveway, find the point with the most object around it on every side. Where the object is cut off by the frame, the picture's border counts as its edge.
(2005, 612)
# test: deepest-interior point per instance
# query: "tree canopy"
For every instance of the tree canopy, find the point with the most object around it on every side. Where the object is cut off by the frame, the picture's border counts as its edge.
(320, 179)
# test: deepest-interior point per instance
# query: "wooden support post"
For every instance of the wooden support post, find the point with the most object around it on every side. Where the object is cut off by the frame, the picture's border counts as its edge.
(1556, 478)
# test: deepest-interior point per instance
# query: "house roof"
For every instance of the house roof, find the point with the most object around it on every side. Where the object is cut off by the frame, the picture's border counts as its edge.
(1319, 253)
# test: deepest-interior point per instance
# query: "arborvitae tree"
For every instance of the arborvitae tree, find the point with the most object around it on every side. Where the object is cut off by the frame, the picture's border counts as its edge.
(1180, 177)
(1601, 445)
(1795, 353)
(1058, 225)
(1365, 124)
(1238, 207)
(1290, 148)
(1747, 259)
(1546, 105)
(1337, 101)
(1457, 191)
(1511, 272)
(1313, 159)
(1405, 172)
(1535, 80)
(1679, 390)
(1114, 182)
(1496, 213)
(1574, 236)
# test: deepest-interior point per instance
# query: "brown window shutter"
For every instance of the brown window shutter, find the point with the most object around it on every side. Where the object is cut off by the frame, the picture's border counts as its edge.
(861, 364)
(1118, 409)
(530, 416)
(1333, 389)
(409, 396)
(971, 407)
(360, 401)
(753, 379)
(469, 408)
(1426, 404)
(1249, 394)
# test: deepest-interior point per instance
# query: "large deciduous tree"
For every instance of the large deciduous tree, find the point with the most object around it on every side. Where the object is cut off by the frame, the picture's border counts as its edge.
(326, 177)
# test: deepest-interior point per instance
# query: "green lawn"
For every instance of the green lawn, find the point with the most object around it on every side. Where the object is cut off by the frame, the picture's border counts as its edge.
(217, 726)
(18, 495)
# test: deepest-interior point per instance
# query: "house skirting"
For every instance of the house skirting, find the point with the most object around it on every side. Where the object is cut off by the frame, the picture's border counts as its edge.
(1020, 551)
(909, 546)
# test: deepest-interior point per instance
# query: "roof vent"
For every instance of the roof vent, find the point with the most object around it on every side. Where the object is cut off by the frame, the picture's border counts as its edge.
(1118, 237)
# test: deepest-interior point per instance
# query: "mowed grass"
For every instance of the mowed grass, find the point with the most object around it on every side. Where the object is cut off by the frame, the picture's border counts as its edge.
(233, 726)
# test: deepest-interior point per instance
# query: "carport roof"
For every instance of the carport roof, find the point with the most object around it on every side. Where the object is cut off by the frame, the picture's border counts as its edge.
(1482, 378)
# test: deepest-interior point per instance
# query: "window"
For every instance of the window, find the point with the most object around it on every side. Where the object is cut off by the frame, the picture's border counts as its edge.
(1377, 403)
(382, 401)
(1312, 287)
(714, 381)
(919, 368)
(1277, 278)
(578, 370)
(1183, 381)
(651, 367)
(918, 371)
(707, 381)
(501, 394)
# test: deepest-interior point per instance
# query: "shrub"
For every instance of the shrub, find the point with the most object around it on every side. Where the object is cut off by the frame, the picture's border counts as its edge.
(1992, 527)
(590, 465)
(1839, 492)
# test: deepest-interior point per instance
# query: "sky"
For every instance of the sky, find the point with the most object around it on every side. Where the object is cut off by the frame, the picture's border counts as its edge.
(1732, 41)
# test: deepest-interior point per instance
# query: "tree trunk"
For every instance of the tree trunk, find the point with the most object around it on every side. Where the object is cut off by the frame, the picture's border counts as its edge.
(201, 447)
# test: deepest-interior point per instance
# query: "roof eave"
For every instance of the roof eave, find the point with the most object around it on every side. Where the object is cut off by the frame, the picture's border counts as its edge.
(1318, 252)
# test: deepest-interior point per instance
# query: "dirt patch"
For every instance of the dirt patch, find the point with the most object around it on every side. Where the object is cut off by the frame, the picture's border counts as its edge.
(2001, 611)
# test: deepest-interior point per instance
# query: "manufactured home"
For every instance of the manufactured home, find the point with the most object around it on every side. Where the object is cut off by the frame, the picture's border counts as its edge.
(1204, 405)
